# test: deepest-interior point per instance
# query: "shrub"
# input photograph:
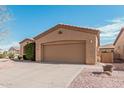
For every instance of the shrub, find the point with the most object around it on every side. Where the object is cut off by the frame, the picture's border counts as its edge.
(1, 56)
(11, 55)
(19, 57)
(5, 54)
(29, 51)
(24, 57)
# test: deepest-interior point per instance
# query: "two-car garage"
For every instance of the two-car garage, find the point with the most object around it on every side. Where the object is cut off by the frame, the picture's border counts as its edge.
(64, 52)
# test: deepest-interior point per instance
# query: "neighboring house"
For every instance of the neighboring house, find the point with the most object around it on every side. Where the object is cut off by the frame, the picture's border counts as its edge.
(14, 50)
(23, 43)
(107, 53)
(107, 48)
(119, 45)
(66, 44)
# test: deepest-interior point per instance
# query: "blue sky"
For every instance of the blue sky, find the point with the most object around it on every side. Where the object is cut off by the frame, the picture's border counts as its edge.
(29, 21)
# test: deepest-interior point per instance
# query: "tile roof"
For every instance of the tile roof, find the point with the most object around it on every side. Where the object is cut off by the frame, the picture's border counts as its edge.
(31, 39)
(69, 27)
(107, 46)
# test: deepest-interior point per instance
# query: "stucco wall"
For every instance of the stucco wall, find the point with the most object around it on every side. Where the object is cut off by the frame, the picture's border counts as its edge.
(107, 57)
(119, 46)
(91, 42)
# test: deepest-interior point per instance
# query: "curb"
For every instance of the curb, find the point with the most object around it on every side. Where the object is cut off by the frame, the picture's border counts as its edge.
(67, 86)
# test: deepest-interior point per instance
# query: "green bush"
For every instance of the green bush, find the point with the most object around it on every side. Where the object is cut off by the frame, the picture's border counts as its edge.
(1, 56)
(5, 54)
(11, 55)
(24, 57)
(29, 51)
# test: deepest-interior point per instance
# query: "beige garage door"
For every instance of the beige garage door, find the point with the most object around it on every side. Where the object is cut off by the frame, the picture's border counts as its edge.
(64, 53)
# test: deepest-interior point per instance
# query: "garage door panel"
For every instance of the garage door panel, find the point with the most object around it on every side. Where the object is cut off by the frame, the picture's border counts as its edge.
(64, 53)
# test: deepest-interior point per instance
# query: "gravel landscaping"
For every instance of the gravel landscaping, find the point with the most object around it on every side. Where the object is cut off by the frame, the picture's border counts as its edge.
(93, 77)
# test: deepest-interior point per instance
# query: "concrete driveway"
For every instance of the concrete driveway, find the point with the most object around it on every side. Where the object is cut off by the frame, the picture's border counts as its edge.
(28, 74)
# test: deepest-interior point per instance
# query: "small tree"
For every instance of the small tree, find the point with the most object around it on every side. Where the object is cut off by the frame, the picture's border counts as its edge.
(29, 51)
(5, 54)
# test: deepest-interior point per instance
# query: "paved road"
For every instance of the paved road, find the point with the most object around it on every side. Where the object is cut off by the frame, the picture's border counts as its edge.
(19, 74)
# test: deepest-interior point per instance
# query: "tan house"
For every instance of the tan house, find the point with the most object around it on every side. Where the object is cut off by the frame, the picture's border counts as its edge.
(14, 50)
(23, 43)
(67, 44)
(119, 45)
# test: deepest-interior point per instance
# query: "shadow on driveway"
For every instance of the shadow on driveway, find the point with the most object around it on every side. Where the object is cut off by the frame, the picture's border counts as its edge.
(118, 65)
(29, 61)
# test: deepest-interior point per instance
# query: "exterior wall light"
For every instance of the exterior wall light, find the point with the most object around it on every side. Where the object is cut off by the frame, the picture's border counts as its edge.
(91, 41)
(60, 32)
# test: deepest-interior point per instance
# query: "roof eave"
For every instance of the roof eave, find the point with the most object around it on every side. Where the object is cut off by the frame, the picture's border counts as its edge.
(25, 40)
(118, 36)
(66, 27)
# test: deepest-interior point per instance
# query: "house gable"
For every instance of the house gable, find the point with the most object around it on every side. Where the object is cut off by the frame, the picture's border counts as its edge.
(25, 40)
(119, 35)
(67, 27)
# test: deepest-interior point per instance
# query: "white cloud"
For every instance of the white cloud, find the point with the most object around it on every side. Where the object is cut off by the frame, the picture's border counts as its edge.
(7, 46)
(109, 32)
(117, 20)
